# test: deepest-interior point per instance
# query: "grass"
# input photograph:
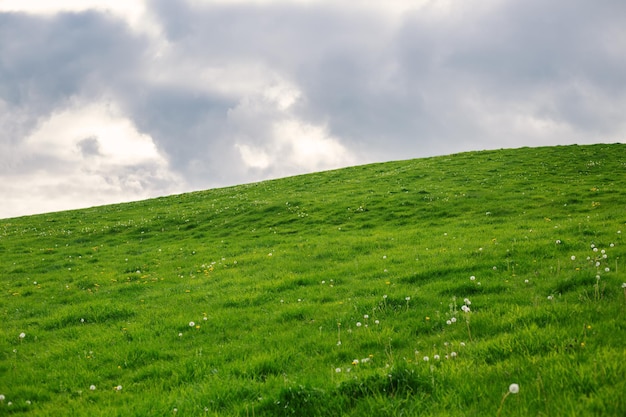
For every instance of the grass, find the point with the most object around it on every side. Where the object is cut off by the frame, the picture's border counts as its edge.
(324, 294)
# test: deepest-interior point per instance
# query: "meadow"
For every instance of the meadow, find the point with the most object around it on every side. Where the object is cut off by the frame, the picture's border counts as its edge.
(485, 283)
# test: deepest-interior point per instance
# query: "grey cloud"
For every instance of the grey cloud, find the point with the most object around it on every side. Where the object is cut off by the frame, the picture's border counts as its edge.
(89, 146)
(185, 125)
(48, 60)
(59, 56)
(550, 60)
(281, 35)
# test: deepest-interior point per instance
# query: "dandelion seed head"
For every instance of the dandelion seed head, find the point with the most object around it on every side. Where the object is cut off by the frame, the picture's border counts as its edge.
(426, 358)
(338, 370)
(472, 278)
(513, 388)
(453, 354)
(436, 357)
(92, 388)
(22, 335)
(191, 324)
(358, 324)
(573, 257)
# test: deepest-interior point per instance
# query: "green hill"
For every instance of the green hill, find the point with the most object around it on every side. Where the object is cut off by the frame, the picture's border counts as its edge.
(423, 287)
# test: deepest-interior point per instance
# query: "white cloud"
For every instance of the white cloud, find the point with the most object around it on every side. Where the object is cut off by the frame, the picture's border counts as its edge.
(119, 141)
(270, 136)
(253, 157)
(81, 156)
(295, 147)
(309, 146)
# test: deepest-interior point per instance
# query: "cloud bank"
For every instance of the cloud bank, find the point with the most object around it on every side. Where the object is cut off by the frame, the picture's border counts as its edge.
(102, 102)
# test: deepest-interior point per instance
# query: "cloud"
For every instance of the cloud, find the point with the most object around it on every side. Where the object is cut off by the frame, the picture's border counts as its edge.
(89, 146)
(206, 93)
(470, 77)
(85, 155)
(47, 61)
(270, 138)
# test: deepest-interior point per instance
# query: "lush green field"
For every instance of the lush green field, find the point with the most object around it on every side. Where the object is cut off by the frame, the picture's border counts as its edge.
(423, 287)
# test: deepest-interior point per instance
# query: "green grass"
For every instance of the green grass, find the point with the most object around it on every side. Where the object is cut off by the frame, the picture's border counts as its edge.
(273, 275)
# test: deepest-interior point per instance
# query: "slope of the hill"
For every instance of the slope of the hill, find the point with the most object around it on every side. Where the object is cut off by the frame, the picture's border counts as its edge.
(420, 287)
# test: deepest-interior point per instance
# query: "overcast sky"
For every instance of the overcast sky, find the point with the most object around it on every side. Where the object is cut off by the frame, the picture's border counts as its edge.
(110, 101)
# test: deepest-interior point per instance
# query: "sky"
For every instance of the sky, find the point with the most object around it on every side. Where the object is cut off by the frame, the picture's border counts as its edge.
(112, 101)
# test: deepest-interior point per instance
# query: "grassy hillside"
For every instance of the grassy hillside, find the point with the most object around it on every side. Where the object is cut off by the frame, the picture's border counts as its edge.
(422, 287)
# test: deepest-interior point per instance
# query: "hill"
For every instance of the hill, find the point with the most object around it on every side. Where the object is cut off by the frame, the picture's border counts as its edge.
(482, 283)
